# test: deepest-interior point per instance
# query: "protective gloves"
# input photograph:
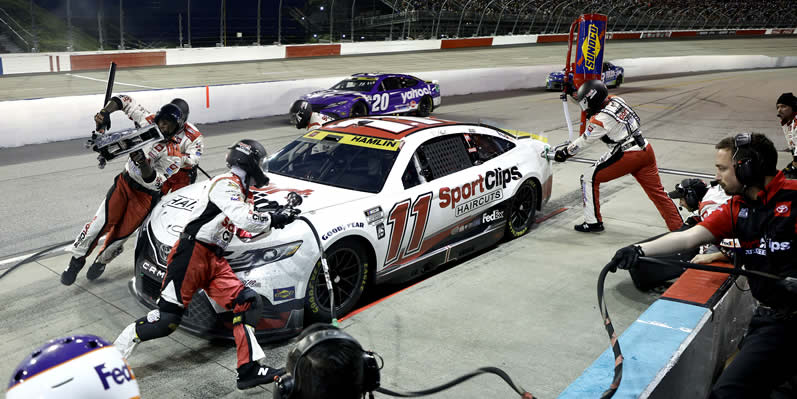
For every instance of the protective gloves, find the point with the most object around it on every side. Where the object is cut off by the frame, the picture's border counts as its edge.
(561, 155)
(626, 258)
(281, 218)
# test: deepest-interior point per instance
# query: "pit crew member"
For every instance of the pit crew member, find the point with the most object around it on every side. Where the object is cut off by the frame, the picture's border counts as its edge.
(196, 262)
(615, 123)
(787, 113)
(135, 191)
(759, 215)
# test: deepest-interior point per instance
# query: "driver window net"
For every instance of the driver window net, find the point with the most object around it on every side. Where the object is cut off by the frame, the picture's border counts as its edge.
(446, 155)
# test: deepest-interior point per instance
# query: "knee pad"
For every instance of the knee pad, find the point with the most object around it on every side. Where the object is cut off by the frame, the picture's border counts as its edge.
(252, 315)
(157, 324)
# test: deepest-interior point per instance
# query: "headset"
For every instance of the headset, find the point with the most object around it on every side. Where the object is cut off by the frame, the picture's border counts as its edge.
(750, 168)
(285, 385)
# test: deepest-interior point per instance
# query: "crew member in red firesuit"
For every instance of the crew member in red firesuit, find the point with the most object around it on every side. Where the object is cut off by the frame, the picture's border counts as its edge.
(611, 120)
(196, 262)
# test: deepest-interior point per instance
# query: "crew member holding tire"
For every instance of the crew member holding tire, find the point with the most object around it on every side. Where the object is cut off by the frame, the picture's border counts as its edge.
(196, 262)
(615, 123)
(135, 191)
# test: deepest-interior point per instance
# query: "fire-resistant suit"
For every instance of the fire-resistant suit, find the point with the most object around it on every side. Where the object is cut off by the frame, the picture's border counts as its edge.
(617, 125)
(130, 199)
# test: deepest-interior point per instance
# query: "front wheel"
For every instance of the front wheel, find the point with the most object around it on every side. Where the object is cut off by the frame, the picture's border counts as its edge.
(348, 270)
(359, 109)
(522, 209)
(425, 107)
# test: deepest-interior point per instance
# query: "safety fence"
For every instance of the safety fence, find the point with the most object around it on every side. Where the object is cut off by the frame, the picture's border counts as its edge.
(77, 61)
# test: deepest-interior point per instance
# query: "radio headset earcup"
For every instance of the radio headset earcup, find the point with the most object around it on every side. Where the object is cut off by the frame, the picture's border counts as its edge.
(285, 385)
(748, 169)
(692, 201)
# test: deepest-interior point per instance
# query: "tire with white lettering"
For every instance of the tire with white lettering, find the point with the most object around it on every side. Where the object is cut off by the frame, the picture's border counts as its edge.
(425, 107)
(522, 209)
(359, 109)
(348, 269)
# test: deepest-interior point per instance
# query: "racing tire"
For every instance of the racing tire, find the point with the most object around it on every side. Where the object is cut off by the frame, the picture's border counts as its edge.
(618, 81)
(522, 209)
(425, 107)
(359, 109)
(348, 269)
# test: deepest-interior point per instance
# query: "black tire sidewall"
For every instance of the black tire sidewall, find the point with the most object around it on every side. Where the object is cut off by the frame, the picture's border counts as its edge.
(360, 105)
(511, 232)
(312, 311)
(425, 99)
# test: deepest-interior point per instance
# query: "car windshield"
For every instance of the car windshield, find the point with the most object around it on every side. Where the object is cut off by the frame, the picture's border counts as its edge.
(356, 84)
(347, 161)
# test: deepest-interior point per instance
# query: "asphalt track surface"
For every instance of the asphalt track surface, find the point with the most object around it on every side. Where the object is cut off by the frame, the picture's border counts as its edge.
(527, 306)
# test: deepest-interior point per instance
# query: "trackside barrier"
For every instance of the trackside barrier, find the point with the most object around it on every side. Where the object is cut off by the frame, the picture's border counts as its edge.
(36, 63)
(255, 100)
(676, 347)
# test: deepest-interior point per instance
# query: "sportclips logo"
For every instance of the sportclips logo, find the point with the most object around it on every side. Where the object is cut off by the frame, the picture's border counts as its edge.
(591, 47)
(412, 94)
(479, 192)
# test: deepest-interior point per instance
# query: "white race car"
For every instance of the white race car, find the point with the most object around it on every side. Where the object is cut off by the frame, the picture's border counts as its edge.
(390, 197)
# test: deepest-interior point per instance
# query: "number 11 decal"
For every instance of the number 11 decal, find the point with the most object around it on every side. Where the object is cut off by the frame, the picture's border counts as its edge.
(398, 218)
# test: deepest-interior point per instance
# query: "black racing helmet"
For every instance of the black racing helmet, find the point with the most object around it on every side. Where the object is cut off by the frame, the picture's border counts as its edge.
(250, 156)
(170, 112)
(180, 103)
(591, 95)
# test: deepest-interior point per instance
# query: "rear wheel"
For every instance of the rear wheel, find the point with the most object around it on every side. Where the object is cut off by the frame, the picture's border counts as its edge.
(348, 270)
(618, 82)
(359, 109)
(425, 107)
(522, 209)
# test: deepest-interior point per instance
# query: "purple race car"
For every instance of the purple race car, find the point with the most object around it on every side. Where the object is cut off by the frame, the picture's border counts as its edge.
(374, 94)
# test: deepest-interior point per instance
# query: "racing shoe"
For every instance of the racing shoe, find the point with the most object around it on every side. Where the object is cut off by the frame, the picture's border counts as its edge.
(95, 270)
(253, 374)
(69, 275)
(589, 227)
(127, 340)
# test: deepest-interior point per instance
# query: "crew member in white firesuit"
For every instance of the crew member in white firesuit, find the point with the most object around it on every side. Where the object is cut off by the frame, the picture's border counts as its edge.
(136, 190)
(787, 113)
(196, 262)
(191, 147)
(612, 121)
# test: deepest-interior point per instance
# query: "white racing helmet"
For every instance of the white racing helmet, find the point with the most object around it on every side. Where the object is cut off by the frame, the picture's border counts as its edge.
(79, 366)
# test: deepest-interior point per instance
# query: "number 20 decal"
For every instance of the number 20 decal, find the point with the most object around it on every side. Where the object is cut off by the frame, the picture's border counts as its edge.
(398, 218)
(381, 102)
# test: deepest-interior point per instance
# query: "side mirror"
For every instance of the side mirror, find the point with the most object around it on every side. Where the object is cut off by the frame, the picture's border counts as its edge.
(293, 199)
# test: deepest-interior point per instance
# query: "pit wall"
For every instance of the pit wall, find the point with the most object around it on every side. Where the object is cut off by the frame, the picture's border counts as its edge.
(211, 104)
(93, 60)
(679, 344)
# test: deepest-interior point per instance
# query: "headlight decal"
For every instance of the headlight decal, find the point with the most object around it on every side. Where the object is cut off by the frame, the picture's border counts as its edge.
(262, 256)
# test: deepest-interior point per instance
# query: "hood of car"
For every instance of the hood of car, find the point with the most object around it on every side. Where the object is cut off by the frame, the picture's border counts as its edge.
(315, 196)
(329, 96)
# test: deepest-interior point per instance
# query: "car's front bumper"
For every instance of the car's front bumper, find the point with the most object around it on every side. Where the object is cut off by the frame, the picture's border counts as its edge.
(203, 317)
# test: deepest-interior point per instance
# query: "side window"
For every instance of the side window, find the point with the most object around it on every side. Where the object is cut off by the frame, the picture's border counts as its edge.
(442, 156)
(410, 177)
(408, 82)
(391, 84)
(484, 147)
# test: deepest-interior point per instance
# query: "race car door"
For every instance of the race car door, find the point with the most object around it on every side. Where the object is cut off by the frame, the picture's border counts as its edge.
(436, 208)
(388, 98)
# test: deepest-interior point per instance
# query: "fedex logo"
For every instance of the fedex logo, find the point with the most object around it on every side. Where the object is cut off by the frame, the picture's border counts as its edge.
(118, 376)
